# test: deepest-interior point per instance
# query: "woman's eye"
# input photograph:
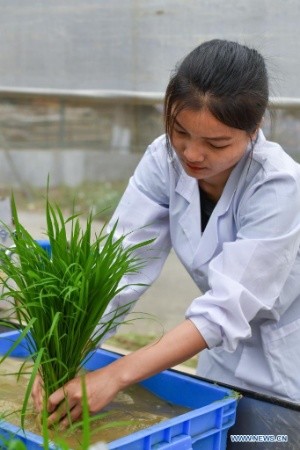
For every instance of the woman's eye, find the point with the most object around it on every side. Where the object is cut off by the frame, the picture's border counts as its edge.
(220, 147)
(181, 132)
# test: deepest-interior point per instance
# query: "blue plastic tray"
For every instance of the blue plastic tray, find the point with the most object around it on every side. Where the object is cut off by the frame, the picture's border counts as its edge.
(205, 427)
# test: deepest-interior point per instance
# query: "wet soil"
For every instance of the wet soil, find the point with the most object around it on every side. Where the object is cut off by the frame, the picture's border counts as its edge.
(133, 409)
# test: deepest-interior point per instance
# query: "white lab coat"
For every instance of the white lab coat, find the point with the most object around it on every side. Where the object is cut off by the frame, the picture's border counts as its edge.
(246, 263)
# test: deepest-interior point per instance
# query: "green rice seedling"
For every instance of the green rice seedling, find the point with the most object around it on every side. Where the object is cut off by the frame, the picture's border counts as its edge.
(59, 300)
(12, 444)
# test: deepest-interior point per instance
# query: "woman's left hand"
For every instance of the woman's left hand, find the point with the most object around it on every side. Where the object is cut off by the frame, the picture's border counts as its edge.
(37, 393)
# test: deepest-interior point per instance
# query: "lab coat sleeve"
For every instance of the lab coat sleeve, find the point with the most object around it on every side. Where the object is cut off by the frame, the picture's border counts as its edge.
(247, 276)
(143, 214)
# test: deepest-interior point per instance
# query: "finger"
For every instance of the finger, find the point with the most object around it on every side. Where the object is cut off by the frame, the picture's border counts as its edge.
(38, 403)
(56, 399)
(73, 416)
(37, 394)
(59, 414)
(62, 410)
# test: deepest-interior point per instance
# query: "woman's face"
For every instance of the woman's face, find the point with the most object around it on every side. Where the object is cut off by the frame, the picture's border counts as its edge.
(207, 149)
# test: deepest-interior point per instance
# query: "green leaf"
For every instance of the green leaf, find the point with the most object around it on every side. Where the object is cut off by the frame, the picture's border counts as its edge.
(16, 445)
(30, 384)
(61, 299)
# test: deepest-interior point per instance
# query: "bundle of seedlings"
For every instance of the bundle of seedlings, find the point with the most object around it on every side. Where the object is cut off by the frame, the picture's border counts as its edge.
(59, 298)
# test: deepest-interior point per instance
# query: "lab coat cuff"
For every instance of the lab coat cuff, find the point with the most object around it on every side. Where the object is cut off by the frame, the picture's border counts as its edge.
(210, 332)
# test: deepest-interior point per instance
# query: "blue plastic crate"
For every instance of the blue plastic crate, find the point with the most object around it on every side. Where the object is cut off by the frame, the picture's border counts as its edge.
(45, 244)
(205, 427)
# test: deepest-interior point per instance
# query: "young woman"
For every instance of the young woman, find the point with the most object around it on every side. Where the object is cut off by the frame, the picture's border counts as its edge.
(228, 202)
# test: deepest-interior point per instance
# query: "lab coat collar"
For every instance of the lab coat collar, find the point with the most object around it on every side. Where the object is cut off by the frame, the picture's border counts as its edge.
(186, 185)
(203, 245)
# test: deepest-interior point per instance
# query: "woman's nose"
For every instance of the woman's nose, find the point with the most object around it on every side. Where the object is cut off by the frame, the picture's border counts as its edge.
(194, 152)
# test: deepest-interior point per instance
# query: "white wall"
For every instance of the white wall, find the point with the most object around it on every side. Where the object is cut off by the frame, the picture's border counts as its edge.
(134, 44)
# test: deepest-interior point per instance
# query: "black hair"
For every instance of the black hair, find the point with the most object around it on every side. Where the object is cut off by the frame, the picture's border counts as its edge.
(227, 78)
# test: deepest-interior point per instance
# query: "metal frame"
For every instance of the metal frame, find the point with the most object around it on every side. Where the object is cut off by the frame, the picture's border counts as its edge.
(116, 96)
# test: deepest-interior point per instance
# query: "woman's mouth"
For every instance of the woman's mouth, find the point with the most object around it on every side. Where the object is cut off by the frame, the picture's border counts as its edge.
(194, 167)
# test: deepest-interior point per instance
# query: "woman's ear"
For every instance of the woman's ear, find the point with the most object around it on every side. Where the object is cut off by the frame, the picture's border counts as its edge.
(259, 125)
(254, 134)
